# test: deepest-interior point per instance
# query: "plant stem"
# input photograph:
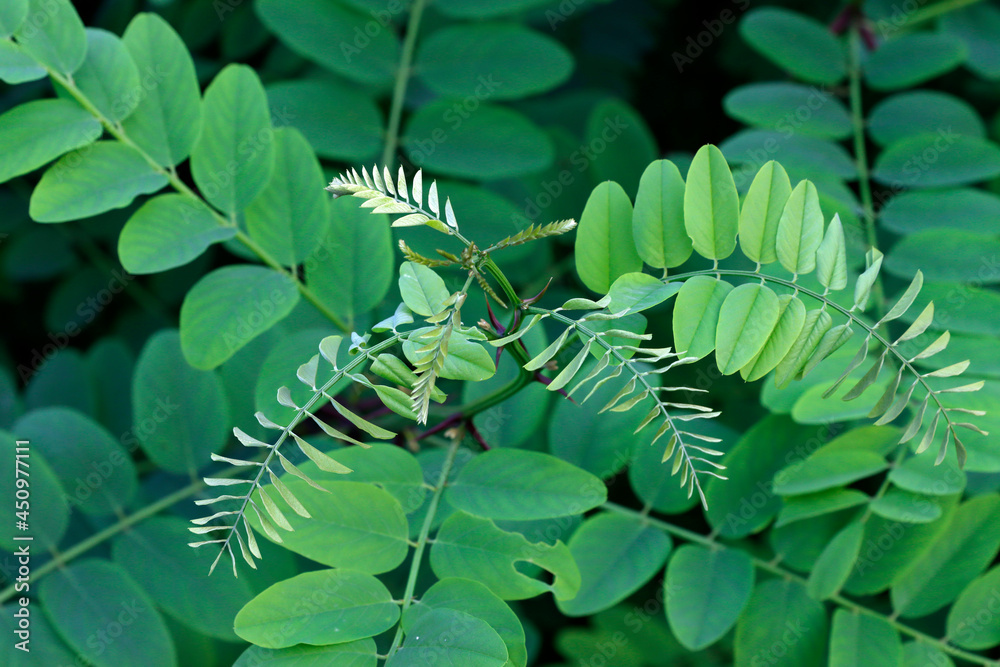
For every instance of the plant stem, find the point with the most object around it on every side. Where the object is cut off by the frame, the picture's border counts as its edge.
(181, 187)
(935, 10)
(776, 569)
(402, 79)
(861, 158)
(425, 530)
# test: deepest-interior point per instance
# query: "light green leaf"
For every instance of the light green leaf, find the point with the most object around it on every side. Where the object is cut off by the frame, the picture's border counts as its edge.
(911, 59)
(16, 66)
(493, 143)
(791, 318)
(167, 121)
(960, 552)
(635, 292)
(921, 654)
(228, 308)
(706, 591)
(452, 636)
(827, 469)
(234, 157)
(863, 639)
(696, 315)
(109, 77)
(604, 248)
(335, 36)
(467, 359)
(169, 231)
(899, 505)
(965, 625)
(57, 38)
(817, 323)
(110, 597)
(745, 322)
(39, 131)
(812, 505)
(517, 484)
(831, 257)
(531, 63)
(101, 177)
(616, 555)
(918, 474)
(423, 290)
(761, 213)
(343, 606)
(290, 215)
(834, 565)
(180, 413)
(711, 204)
(780, 609)
(800, 230)
(472, 548)
(387, 466)
(360, 653)
(12, 15)
(658, 218)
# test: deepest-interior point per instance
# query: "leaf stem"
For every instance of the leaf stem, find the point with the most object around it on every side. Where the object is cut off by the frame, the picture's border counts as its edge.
(425, 530)
(935, 10)
(402, 79)
(776, 569)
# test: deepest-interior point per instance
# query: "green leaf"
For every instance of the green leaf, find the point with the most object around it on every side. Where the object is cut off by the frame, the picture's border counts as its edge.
(658, 219)
(711, 204)
(779, 612)
(762, 211)
(155, 553)
(965, 209)
(965, 625)
(234, 157)
(706, 591)
(491, 144)
(696, 315)
(834, 565)
(604, 248)
(290, 215)
(814, 112)
(180, 413)
(423, 290)
(518, 484)
(111, 598)
(47, 648)
(49, 502)
(167, 121)
(977, 26)
(71, 444)
(335, 36)
(622, 143)
(800, 230)
(826, 469)
(53, 35)
(938, 159)
(228, 308)
(532, 63)
(911, 59)
(963, 549)
(945, 255)
(831, 257)
(12, 15)
(812, 505)
(354, 525)
(467, 359)
(360, 653)
(616, 555)
(919, 111)
(817, 323)
(635, 292)
(739, 507)
(921, 654)
(101, 177)
(169, 231)
(745, 322)
(857, 639)
(791, 318)
(390, 467)
(350, 269)
(795, 43)
(802, 155)
(37, 132)
(918, 474)
(472, 548)
(899, 505)
(452, 636)
(109, 77)
(485, 9)
(353, 134)
(343, 606)
(16, 66)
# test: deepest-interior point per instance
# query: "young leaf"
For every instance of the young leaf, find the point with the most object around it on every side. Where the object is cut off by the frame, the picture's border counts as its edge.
(423, 290)
(696, 315)
(604, 247)
(831, 257)
(658, 218)
(761, 213)
(711, 204)
(746, 320)
(800, 229)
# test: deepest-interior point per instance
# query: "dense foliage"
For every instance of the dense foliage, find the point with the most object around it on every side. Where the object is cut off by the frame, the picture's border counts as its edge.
(598, 394)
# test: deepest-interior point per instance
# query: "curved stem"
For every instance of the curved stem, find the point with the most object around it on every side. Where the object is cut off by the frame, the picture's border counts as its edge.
(115, 130)
(425, 530)
(774, 568)
(402, 79)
